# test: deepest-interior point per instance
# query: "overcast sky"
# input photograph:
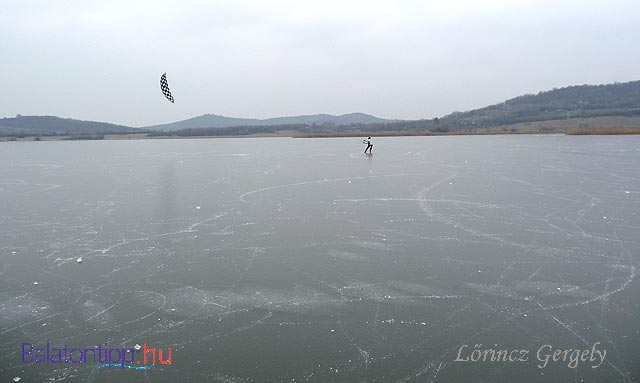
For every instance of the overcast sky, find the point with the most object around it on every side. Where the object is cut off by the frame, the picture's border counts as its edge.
(101, 60)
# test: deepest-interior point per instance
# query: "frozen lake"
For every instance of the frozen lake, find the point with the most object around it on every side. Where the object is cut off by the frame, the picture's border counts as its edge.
(292, 260)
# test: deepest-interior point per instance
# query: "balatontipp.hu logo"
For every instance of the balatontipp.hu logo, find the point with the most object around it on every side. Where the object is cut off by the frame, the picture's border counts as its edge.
(137, 357)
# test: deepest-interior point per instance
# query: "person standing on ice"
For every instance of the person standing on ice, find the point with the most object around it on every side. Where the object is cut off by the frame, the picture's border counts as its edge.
(369, 145)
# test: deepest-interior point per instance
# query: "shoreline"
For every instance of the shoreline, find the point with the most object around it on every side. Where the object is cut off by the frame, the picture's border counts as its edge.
(294, 134)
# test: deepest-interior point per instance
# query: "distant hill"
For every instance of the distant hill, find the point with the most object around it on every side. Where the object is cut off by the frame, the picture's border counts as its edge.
(584, 106)
(216, 121)
(582, 101)
(51, 125)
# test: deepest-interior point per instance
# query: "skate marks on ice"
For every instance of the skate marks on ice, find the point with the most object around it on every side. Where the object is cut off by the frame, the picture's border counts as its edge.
(386, 270)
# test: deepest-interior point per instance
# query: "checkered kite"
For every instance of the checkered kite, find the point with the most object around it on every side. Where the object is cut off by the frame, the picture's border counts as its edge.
(164, 86)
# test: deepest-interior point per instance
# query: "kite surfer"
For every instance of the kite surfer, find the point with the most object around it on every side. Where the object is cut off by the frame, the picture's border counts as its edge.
(369, 145)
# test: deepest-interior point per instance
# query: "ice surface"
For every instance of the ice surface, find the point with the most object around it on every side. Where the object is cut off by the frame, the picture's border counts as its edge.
(272, 260)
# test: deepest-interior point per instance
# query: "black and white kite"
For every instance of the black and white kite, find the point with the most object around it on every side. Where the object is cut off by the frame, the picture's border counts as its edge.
(164, 86)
